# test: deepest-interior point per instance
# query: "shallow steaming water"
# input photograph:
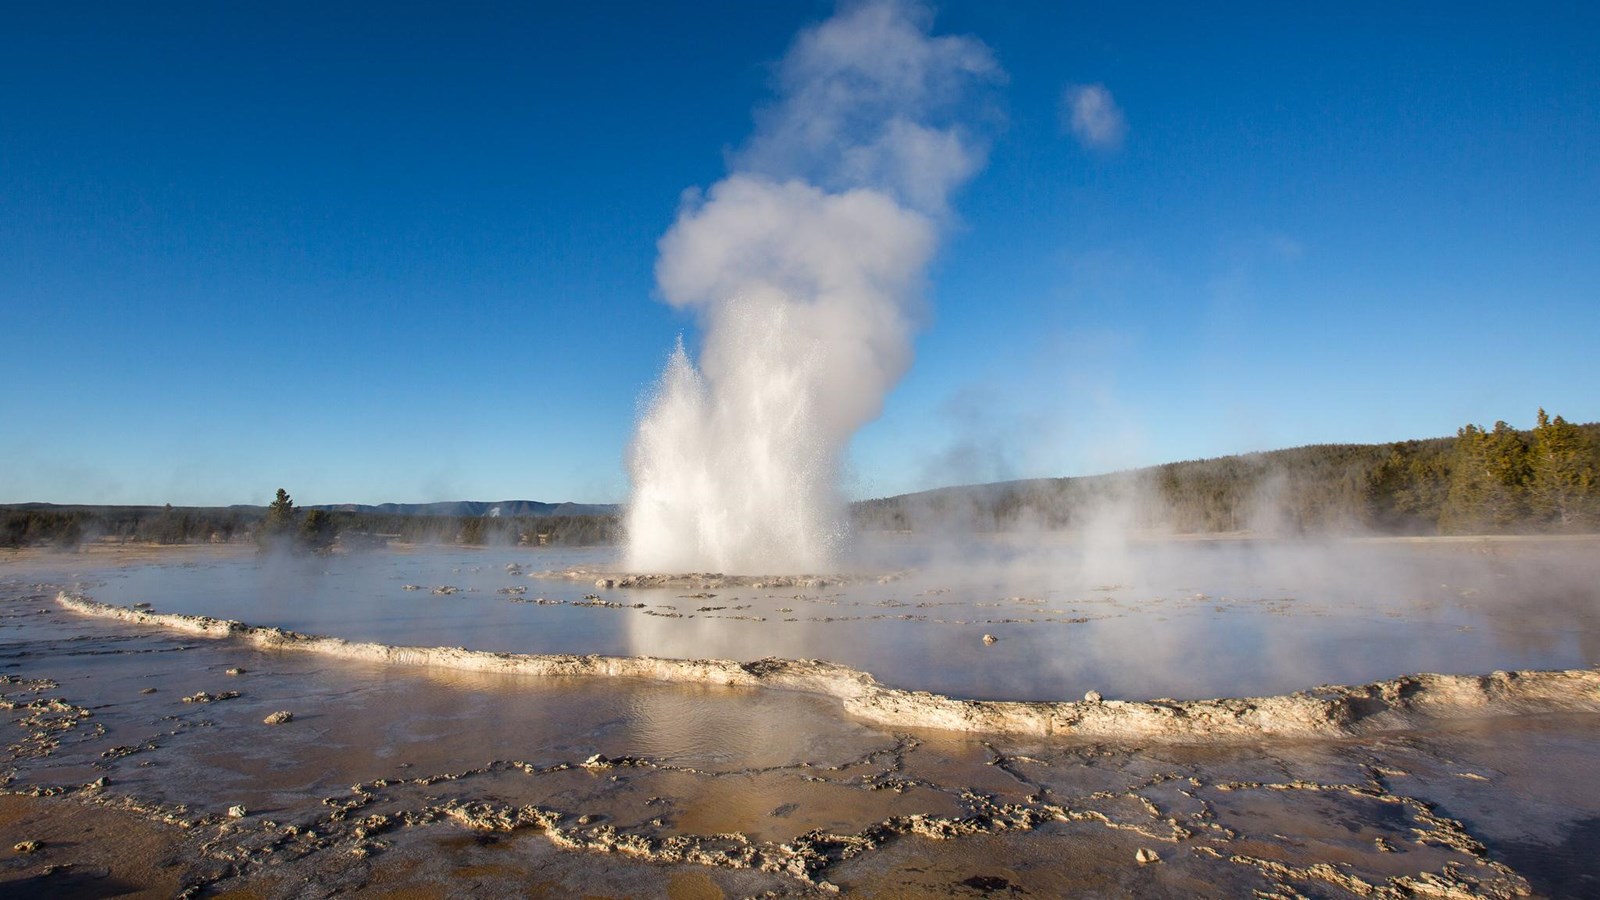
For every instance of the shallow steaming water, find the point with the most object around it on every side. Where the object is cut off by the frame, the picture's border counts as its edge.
(1186, 620)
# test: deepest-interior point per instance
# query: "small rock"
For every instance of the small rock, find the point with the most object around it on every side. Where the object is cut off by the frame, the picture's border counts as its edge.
(236, 671)
(28, 846)
(989, 639)
(280, 717)
(597, 762)
(605, 583)
(1144, 857)
(1092, 697)
(239, 812)
(205, 697)
(147, 690)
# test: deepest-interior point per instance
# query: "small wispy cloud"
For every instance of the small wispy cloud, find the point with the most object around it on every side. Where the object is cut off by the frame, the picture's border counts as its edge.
(1286, 247)
(1091, 113)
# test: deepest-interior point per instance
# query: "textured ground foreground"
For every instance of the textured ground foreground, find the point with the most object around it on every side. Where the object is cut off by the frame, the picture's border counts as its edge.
(138, 759)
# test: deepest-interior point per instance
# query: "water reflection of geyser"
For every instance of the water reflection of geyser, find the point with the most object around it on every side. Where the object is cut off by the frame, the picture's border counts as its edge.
(803, 266)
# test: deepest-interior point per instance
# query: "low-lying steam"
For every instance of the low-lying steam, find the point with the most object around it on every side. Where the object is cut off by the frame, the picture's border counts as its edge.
(804, 267)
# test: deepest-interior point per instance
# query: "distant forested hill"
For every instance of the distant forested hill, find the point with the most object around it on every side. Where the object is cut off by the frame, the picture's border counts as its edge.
(507, 508)
(1482, 481)
(466, 522)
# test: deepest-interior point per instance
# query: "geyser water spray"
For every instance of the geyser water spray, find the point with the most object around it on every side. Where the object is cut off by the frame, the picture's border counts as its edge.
(804, 267)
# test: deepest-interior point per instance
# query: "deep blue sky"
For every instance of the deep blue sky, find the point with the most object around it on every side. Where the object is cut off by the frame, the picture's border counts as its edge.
(397, 252)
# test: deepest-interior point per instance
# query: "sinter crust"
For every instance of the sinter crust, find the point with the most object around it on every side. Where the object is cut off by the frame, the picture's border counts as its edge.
(1328, 711)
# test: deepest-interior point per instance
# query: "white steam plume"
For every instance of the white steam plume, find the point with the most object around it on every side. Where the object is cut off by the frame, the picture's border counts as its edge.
(804, 266)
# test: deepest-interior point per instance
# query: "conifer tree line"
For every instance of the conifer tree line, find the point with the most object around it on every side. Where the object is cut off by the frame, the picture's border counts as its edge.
(1482, 481)
(1502, 478)
(282, 524)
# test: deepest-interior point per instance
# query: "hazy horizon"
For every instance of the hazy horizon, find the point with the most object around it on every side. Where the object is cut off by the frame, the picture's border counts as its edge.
(584, 501)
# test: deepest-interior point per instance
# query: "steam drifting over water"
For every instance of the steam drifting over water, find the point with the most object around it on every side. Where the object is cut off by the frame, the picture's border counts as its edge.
(804, 267)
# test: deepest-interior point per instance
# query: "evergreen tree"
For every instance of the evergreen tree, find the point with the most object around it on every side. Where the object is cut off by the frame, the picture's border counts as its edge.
(1463, 504)
(281, 505)
(279, 520)
(1406, 491)
(1562, 472)
(1509, 471)
(280, 513)
(317, 530)
(1489, 474)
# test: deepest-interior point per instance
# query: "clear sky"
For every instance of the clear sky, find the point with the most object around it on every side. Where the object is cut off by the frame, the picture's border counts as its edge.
(400, 252)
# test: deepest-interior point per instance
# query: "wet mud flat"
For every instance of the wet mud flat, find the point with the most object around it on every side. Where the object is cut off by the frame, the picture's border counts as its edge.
(138, 758)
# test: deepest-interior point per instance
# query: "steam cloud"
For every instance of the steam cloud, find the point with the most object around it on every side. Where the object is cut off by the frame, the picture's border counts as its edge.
(804, 266)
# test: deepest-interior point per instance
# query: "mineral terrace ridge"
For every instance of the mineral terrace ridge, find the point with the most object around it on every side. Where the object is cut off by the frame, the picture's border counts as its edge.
(1326, 711)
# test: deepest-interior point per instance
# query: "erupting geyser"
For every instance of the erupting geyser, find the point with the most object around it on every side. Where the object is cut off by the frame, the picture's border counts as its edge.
(804, 266)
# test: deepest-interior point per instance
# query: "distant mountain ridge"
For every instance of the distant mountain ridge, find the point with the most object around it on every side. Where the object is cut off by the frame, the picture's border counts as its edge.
(476, 508)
